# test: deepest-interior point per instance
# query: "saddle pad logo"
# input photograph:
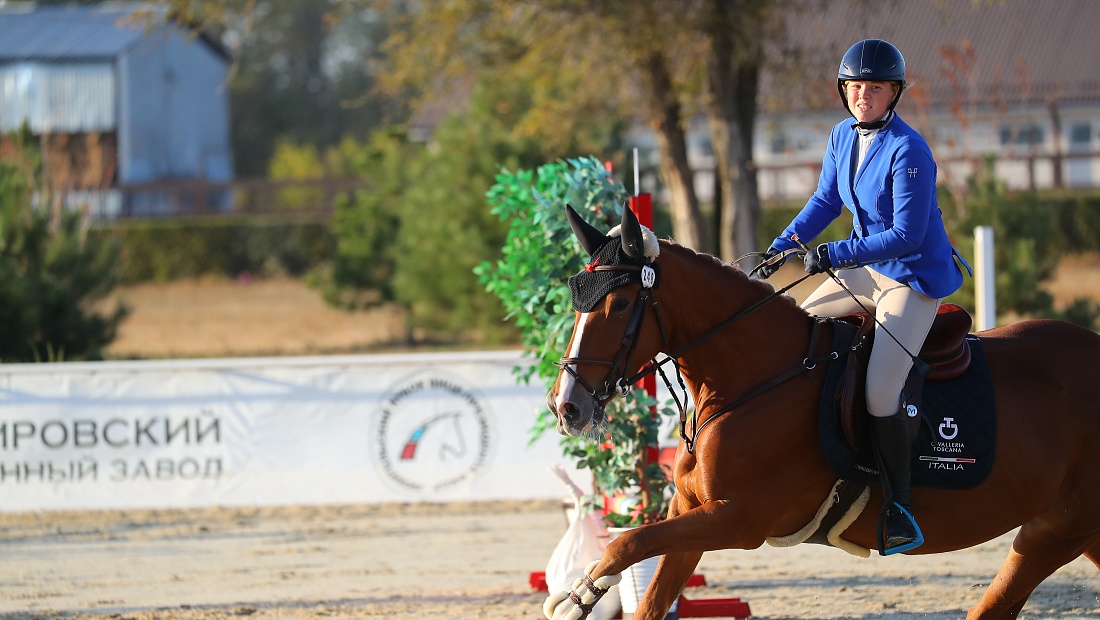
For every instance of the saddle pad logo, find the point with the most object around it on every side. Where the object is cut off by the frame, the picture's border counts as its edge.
(948, 429)
(947, 453)
(957, 443)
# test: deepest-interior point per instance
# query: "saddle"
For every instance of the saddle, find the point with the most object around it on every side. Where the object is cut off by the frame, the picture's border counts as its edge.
(946, 351)
(954, 420)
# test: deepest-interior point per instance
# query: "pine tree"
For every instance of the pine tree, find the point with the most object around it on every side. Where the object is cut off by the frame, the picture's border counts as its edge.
(51, 273)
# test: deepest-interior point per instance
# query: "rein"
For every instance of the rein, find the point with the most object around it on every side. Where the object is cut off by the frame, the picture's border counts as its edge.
(629, 342)
(807, 364)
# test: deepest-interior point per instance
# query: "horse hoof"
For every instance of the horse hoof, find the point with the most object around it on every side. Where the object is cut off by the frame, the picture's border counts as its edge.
(550, 607)
(578, 602)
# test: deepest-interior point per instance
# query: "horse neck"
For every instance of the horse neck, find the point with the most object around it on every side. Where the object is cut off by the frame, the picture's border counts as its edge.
(759, 346)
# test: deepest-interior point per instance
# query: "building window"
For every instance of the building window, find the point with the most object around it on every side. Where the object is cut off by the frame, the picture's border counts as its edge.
(1080, 134)
(1021, 135)
(777, 142)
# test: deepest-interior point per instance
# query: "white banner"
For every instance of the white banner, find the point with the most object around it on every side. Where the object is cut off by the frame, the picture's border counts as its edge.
(193, 433)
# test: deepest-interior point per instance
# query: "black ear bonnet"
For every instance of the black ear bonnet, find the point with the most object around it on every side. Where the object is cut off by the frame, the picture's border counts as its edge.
(588, 287)
(599, 276)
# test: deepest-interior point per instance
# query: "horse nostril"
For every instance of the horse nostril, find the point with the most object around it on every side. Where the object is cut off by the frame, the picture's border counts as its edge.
(570, 410)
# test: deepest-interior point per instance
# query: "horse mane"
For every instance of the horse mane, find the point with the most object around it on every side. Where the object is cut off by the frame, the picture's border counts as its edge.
(728, 271)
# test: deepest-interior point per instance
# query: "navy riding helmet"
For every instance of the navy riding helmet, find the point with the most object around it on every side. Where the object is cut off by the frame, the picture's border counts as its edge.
(873, 60)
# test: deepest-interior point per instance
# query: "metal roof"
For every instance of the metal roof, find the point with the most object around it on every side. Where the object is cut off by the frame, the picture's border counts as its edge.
(58, 98)
(74, 33)
(989, 53)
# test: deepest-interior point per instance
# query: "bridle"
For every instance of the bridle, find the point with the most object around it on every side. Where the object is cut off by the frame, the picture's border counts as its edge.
(616, 382)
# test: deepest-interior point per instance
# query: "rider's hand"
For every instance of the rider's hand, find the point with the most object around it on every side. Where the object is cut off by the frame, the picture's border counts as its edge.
(766, 269)
(817, 260)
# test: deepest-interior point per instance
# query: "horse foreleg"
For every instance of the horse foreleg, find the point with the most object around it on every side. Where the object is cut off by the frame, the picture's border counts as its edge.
(682, 540)
(672, 575)
(673, 571)
(1035, 554)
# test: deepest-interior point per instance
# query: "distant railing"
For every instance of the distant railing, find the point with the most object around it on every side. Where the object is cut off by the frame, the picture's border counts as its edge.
(1031, 171)
(196, 198)
(318, 198)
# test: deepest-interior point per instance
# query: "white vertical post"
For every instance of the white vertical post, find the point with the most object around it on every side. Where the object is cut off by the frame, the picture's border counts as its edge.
(984, 278)
(636, 189)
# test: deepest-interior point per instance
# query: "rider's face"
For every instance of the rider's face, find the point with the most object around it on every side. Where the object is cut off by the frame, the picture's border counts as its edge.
(869, 101)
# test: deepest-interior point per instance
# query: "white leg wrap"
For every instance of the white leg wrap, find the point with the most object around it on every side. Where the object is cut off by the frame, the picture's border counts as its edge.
(578, 602)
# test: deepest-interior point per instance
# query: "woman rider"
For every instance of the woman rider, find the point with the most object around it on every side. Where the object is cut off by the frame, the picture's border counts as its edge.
(898, 261)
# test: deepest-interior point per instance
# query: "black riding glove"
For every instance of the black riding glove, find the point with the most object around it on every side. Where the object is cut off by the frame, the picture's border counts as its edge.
(766, 270)
(817, 260)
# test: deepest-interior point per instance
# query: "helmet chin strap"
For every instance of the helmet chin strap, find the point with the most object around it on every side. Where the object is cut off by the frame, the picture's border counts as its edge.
(879, 124)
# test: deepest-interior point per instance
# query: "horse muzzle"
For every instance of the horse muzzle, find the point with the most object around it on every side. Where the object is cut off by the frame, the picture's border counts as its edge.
(577, 413)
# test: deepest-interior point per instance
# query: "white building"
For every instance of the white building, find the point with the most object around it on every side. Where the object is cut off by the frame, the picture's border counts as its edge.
(116, 98)
(1015, 80)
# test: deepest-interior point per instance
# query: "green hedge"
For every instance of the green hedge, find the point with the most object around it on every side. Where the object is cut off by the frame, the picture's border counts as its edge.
(163, 250)
(1078, 218)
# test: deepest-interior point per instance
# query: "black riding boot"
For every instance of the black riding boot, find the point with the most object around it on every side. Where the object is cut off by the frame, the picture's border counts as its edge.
(899, 529)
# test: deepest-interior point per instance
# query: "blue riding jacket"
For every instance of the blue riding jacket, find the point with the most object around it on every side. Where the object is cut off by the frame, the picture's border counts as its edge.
(897, 225)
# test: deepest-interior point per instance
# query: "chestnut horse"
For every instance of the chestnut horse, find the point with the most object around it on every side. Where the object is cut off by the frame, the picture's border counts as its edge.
(758, 471)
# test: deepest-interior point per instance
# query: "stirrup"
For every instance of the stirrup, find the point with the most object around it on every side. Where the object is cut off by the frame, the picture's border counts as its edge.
(902, 548)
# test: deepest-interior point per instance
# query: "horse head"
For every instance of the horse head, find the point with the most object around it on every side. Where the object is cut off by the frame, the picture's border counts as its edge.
(608, 345)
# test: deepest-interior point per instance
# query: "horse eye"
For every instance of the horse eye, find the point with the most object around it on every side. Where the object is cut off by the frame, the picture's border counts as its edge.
(619, 305)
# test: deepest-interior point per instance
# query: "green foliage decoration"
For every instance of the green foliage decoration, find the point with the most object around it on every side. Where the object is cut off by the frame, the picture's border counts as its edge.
(51, 275)
(539, 254)
(540, 251)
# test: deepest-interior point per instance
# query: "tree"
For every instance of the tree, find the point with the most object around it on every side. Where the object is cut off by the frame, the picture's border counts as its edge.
(446, 229)
(303, 73)
(1029, 245)
(51, 274)
(587, 62)
(581, 59)
(366, 222)
(421, 225)
(736, 54)
(704, 55)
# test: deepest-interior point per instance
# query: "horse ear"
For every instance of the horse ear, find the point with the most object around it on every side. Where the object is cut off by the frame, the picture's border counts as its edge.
(632, 234)
(590, 238)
